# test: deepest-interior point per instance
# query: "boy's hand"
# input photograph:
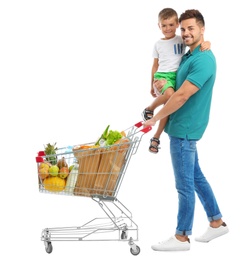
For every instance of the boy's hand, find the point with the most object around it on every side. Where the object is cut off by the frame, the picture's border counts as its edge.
(159, 83)
(205, 46)
(152, 92)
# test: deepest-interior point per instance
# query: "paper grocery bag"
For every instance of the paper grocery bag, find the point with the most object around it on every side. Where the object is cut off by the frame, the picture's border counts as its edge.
(88, 160)
(110, 167)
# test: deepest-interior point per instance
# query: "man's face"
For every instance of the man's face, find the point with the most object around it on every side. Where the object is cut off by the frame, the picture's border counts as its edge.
(191, 32)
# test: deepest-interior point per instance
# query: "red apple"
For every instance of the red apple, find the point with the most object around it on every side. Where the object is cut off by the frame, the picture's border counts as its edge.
(64, 171)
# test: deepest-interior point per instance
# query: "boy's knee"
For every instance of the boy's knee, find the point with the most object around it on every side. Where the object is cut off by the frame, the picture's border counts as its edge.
(169, 92)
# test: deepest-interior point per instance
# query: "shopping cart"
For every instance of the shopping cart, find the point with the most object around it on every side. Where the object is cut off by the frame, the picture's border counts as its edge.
(97, 172)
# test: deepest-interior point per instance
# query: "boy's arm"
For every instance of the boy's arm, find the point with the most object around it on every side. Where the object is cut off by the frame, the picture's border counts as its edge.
(153, 71)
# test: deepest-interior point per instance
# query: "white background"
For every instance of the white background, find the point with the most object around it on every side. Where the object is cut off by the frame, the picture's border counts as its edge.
(68, 69)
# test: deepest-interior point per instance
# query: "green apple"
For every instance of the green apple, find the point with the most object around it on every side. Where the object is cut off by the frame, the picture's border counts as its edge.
(54, 170)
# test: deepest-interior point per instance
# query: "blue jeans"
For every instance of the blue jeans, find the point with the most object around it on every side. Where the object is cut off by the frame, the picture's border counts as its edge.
(188, 180)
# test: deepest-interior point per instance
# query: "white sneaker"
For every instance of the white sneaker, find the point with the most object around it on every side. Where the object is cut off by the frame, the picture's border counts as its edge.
(212, 233)
(172, 244)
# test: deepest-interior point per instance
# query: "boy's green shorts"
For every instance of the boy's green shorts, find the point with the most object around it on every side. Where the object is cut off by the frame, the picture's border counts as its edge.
(169, 76)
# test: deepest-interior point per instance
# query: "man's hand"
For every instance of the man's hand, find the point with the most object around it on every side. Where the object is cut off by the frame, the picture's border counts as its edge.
(150, 122)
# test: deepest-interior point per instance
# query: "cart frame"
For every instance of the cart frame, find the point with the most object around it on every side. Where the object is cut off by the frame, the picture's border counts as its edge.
(118, 225)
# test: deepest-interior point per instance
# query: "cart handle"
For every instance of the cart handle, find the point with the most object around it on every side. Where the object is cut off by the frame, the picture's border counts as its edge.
(40, 158)
(145, 129)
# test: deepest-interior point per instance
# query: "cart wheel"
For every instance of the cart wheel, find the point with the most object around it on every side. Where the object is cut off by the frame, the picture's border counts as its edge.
(135, 251)
(48, 247)
(124, 235)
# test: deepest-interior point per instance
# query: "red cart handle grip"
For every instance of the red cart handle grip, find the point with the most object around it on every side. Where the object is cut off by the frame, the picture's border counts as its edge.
(40, 158)
(145, 129)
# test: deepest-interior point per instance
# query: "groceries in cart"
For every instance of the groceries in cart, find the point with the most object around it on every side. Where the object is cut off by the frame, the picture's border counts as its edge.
(93, 170)
(86, 169)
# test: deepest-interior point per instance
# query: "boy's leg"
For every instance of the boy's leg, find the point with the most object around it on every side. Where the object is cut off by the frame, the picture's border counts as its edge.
(155, 141)
(160, 100)
(160, 128)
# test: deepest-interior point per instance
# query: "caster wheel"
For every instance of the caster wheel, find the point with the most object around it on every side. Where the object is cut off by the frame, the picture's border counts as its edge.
(48, 247)
(124, 235)
(136, 251)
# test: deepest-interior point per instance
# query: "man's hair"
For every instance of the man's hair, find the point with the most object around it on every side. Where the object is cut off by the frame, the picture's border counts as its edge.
(192, 13)
(167, 13)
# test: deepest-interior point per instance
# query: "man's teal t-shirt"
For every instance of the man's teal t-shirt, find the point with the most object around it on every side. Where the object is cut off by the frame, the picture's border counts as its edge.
(191, 120)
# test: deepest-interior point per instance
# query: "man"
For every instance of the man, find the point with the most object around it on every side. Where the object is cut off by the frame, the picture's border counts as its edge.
(189, 109)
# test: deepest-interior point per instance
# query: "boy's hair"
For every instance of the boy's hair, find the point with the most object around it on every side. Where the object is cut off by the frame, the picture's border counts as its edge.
(167, 13)
(192, 13)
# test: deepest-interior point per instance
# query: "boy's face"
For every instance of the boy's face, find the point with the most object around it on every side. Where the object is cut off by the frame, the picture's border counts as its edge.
(168, 27)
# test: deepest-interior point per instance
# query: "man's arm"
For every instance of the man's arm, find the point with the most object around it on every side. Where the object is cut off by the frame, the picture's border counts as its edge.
(176, 101)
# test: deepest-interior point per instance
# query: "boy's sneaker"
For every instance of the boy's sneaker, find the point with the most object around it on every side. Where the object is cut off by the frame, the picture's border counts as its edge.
(212, 233)
(172, 244)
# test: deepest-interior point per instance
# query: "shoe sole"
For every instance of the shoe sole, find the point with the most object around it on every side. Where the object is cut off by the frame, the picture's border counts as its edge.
(215, 236)
(173, 249)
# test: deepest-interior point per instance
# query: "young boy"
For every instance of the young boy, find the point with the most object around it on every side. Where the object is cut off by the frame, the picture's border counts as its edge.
(167, 54)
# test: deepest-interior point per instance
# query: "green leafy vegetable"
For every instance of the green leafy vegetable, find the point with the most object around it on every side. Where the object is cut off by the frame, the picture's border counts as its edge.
(110, 137)
(113, 136)
(103, 136)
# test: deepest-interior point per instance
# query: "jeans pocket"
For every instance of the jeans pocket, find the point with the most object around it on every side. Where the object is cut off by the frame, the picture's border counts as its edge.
(192, 144)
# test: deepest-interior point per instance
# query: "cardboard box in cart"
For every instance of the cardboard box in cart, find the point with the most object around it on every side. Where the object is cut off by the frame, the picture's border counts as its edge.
(88, 160)
(110, 166)
(99, 168)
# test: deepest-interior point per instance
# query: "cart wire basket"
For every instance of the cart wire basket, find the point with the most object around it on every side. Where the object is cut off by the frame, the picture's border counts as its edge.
(95, 172)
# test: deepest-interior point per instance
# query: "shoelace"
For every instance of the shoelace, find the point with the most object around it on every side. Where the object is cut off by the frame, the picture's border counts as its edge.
(165, 241)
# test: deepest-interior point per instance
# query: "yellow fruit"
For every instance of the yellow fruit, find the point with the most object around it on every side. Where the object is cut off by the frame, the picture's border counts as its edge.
(43, 172)
(44, 165)
(54, 184)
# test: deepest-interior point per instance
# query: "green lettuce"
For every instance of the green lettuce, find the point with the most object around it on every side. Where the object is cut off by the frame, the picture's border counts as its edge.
(112, 137)
(109, 137)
